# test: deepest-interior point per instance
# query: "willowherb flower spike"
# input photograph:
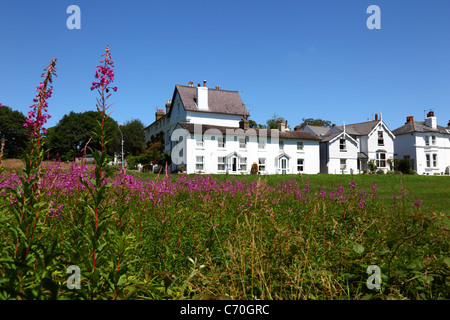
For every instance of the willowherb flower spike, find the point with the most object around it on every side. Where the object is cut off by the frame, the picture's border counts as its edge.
(38, 116)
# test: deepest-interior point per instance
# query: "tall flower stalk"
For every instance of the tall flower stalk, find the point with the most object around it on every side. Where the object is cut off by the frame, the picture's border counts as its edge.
(27, 208)
(104, 77)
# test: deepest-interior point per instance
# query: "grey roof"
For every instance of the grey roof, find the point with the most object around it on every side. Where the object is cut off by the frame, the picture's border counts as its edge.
(219, 101)
(359, 129)
(190, 127)
(318, 130)
(417, 126)
(329, 136)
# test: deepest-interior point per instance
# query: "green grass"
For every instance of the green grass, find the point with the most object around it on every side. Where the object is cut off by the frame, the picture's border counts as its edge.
(433, 191)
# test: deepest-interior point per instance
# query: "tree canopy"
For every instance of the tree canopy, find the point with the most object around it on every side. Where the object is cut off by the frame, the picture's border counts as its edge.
(314, 122)
(72, 133)
(12, 130)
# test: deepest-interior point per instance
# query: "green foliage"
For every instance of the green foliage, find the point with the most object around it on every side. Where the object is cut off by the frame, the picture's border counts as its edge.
(314, 122)
(403, 165)
(254, 169)
(12, 130)
(72, 133)
(372, 165)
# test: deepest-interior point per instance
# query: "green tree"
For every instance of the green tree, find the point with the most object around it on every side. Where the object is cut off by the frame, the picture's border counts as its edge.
(71, 134)
(272, 123)
(11, 128)
(134, 137)
(315, 122)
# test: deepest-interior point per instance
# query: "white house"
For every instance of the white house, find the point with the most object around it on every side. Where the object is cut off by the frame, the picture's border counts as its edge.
(425, 144)
(206, 130)
(372, 139)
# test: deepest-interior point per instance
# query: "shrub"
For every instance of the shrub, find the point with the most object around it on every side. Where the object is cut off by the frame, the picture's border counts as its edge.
(403, 165)
(254, 169)
(380, 172)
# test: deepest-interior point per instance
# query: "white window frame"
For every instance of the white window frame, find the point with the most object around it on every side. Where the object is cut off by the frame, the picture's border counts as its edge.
(221, 142)
(342, 166)
(242, 143)
(261, 144)
(262, 164)
(428, 160)
(199, 163)
(243, 164)
(433, 140)
(300, 145)
(281, 144)
(342, 144)
(300, 166)
(381, 161)
(380, 138)
(435, 159)
(427, 140)
(221, 161)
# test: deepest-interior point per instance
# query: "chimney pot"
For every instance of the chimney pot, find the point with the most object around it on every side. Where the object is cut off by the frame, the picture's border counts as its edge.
(376, 116)
(297, 128)
(204, 83)
(430, 114)
(217, 87)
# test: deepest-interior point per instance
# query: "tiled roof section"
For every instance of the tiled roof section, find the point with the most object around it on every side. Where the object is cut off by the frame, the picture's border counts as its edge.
(417, 126)
(318, 130)
(359, 129)
(219, 101)
(191, 127)
(329, 136)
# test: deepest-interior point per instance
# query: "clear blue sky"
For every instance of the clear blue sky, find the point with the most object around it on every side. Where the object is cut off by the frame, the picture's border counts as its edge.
(298, 59)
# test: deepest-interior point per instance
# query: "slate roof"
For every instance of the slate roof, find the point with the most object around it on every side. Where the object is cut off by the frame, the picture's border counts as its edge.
(359, 129)
(190, 127)
(219, 101)
(318, 130)
(417, 126)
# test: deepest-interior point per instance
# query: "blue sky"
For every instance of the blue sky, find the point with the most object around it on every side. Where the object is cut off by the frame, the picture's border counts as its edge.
(298, 59)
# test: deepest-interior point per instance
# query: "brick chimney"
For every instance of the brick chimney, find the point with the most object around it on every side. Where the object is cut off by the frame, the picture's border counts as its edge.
(297, 128)
(159, 114)
(202, 96)
(431, 120)
(409, 119)
(281, 126)
(243, 124)
(376, 116)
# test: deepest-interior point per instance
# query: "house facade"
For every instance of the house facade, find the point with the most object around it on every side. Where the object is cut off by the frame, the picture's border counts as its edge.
(373, 140)
(425, 144)
(206, 131)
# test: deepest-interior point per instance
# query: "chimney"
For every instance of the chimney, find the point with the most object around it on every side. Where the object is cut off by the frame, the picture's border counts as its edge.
(376, 116)
(243, 124)
(159, 114)
(190, 84)
(281, 126)
(217, 87)
(168, 103)
(409, 119)
(430, 120)
(297, 128)
(202, 97)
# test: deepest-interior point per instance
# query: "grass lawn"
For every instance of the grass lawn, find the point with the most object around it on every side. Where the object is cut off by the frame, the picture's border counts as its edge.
(433, 191)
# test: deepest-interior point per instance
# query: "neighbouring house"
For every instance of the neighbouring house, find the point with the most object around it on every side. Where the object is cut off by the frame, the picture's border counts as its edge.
(425, 144)
(206, 131)
(350, 148)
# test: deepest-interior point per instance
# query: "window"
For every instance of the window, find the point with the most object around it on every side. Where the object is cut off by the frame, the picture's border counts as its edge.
(221, 164)
(221, 142)
(380, 138)
(261, 144)
(434, 160)
(343, 164)
(243, 164)
(299, 145)
(281, 145)
(199, 163)
(433, 140)
(199, 143)
(428, 160)
(300, 166)
(381, 160)
(262, 164)
(242, 143)
(342, 145)
(427, 140)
